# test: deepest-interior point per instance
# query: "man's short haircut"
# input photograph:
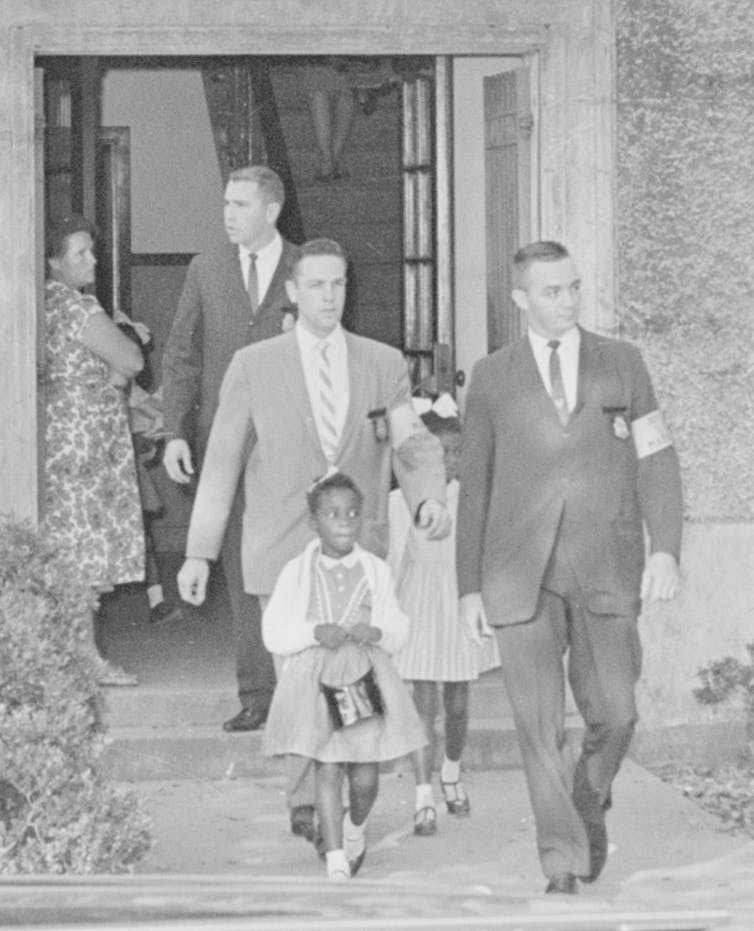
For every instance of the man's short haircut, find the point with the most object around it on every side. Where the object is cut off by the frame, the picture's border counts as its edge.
(320, 246)
(335, 481)
(546, 250)
(59, 230)
(267, 180)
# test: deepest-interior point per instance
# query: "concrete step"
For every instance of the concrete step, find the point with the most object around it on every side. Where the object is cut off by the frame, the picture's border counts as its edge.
(205, 752)
(161, 733)
(158, 706)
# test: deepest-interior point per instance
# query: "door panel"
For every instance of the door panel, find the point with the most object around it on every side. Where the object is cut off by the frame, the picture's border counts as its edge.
(507, 127)
(427, 248)
(113, 218)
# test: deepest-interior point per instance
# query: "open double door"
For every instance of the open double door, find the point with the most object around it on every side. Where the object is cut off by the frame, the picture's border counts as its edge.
(86, 167)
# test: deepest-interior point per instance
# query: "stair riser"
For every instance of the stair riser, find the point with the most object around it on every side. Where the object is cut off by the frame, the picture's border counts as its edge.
(164, 756)
(144, 707)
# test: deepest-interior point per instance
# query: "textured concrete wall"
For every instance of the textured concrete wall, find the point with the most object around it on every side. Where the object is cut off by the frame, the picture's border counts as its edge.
(685, 218)
(711, 618)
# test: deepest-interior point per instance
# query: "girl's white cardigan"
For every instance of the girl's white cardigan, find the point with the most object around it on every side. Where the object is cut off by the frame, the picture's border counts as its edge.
(285, 629)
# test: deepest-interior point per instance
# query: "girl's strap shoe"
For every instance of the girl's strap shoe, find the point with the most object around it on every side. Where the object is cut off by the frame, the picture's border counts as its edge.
(456, 799)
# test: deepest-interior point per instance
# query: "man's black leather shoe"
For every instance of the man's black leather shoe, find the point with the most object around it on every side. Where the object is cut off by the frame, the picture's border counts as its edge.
(562, 884)
(592, 811)
(247, 719)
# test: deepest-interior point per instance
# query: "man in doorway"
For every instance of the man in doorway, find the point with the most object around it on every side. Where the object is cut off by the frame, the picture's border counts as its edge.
(565, 459)
(280, 428)
(233, 295)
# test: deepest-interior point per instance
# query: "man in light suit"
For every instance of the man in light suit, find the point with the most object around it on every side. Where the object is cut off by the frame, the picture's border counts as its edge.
(232, 296)
(566, 460)
(273, 427)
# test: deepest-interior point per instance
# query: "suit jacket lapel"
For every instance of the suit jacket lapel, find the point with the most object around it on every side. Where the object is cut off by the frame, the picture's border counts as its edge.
(588, 364)
(532, 380)
(238, 298)
(277, 284)
(357, 395)
(294, 380)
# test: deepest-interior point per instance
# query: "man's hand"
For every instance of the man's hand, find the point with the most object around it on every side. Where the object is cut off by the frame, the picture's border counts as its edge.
(433, 517)
(192, 580)
(661, 579)
(330, 635)
(177, 461)
(117, 379)
(364, 633)
(473, 619)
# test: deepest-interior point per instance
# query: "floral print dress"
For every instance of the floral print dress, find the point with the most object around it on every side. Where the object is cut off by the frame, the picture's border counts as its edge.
(92, 510)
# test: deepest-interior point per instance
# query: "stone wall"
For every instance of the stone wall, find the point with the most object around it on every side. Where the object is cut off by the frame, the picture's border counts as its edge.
(685, 237)
(685, 90)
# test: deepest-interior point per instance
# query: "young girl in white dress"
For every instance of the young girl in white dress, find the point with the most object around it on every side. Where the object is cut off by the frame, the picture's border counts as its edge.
(438, 650)
(335, 617)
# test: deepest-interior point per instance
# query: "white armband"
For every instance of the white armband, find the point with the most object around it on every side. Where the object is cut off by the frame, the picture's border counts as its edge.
(404, 422)
(650, 434)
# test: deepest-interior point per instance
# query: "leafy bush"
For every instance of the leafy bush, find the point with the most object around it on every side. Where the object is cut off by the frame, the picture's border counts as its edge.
(58, 814)
(725, 790)
(729, 679)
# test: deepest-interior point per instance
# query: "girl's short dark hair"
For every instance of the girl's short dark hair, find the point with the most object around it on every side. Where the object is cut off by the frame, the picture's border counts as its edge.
(60, 228)
(437, 424)
(338, 480)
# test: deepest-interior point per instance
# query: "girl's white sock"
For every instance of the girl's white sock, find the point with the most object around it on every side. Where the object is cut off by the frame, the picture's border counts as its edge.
(424, 796)
(337, 865)
(353, 837)
(451, 770)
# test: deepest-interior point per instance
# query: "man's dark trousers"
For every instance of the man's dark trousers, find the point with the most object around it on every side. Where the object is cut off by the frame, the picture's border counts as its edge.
(255, 670)
(604, 661)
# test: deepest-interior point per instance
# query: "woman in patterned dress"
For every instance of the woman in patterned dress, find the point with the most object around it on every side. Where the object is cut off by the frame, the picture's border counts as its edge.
(91, 505)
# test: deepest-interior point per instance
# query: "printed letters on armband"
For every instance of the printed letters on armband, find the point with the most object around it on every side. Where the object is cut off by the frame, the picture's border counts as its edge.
(650, 434)
(404, 422)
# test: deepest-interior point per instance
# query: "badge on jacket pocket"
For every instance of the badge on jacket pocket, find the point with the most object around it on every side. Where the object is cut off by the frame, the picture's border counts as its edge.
(619, 421)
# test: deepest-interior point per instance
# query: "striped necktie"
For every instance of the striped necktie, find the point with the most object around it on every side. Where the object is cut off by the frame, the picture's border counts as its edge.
(557, 389)
(328, 425)
(252, 283)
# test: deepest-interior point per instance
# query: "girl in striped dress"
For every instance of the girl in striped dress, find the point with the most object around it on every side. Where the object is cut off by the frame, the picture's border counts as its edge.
(438, 651)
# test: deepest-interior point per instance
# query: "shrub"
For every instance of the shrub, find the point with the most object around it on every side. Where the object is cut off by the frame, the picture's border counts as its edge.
(729, 679)
(58, 813)
(724, 789)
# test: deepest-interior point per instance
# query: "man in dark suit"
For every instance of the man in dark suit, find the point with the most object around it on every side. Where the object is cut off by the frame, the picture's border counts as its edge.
(566, 461)
(233, 296)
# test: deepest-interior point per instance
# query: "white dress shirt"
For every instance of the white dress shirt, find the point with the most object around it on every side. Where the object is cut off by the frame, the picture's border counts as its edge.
(337, 354)
(568, 353)
(267, 262)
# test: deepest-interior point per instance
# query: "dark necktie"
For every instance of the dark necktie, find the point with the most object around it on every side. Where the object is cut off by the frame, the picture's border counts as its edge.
(252, 284)
(557, 390)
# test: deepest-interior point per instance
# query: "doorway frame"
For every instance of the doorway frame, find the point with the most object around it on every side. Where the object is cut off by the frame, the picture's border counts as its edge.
(573, 41)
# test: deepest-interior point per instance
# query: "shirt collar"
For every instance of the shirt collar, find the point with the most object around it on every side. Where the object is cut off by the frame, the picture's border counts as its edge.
(570, 339)
(275, 245)
(348, 561)
(307, 341)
